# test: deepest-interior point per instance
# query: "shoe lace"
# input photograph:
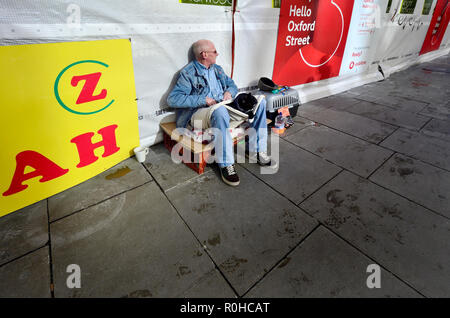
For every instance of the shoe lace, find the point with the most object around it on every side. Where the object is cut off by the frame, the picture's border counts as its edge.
(231, 170)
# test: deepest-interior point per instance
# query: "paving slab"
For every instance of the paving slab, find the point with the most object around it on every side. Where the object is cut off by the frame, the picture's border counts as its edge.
(304, 122)
(27, 277)
(430, 95)
(370, 130)
(415, 78)
(409, 178)
(438, 128)
(364, 91)
(311, 108)
(211, 285)
(432, 150)
(326, 266)
(296, 164)
(247, 229)
(437, 110)
(410, 241)
(299, 124)
(132, 245)
(338, 101)
(167, 173)
(122, 177)
(388, 115)
(23, 231)
(346, 151)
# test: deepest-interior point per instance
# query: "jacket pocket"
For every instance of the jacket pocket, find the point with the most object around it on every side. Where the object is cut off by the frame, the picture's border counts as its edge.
(199, 87)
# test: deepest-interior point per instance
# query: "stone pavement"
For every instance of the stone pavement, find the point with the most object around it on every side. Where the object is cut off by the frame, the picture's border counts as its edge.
(364, 179)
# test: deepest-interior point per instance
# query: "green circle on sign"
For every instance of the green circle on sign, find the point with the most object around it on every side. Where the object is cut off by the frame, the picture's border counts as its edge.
(58, 98)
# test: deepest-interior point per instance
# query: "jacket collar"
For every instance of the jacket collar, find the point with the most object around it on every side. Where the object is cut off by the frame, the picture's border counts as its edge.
(199, 68)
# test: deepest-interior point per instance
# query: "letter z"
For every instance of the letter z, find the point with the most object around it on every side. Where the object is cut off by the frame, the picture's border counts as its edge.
(87, 92)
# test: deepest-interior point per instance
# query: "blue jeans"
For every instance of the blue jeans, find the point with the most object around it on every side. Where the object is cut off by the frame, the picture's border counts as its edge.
(224, 144)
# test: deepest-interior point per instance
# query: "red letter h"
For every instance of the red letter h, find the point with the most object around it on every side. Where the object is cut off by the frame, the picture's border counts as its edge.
(86, 147)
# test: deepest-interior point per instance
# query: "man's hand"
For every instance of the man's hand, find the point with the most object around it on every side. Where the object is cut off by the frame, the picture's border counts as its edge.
(210, 101)
(227, 95)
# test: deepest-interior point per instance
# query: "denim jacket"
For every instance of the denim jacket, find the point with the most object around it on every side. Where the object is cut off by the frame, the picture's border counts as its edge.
(191, 90)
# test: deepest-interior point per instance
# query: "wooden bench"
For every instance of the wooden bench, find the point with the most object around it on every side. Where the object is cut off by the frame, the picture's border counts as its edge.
(200, 153)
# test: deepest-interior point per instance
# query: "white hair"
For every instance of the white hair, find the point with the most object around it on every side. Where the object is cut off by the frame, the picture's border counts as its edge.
(200, 46)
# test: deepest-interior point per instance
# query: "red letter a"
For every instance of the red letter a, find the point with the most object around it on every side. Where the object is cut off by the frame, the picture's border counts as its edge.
(43, 167)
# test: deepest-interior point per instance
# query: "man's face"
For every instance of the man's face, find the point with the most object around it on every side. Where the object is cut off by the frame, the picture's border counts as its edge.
(211, 54)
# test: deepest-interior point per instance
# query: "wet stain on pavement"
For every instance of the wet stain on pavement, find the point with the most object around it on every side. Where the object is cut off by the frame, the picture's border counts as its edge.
(232, 264)
(204, 207)
(144, 293)
(399, 238)
(401, 160)
(336, 291)
(183, 270)
(369, 239)
(374, 137)
(322, 149)
(333, 198)
(119, 173)
(393, 211)
(335, 219)
(404, 171)
(289, 222)
(198, 254)
(302, 279)
(215, 240)
(355, 209)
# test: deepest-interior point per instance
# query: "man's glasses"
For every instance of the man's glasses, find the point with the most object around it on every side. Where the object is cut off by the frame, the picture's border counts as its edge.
(215, 51)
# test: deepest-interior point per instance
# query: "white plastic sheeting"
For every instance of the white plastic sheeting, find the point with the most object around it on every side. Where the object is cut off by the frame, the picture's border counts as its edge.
(162, 32)
(256, 28)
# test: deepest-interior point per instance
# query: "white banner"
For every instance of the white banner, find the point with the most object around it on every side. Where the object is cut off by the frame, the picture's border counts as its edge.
(161, 33)
(256, 27)
(386, 33)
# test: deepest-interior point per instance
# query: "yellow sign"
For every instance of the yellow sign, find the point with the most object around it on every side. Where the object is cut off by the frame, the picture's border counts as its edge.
(68, 113)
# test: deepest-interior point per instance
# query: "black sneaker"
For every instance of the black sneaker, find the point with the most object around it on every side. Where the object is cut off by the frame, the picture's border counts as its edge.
(230, 176)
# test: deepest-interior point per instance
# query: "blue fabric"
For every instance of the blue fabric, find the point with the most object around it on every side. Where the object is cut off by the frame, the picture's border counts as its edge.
(215, 89)
(191, 90)
(220, 119)
(258, 142)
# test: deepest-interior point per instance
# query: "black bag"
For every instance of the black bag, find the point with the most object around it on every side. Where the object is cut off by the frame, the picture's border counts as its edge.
(245, 102)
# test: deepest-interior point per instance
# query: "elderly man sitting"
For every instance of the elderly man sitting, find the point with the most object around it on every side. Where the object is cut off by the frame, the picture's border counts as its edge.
(200, 86)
